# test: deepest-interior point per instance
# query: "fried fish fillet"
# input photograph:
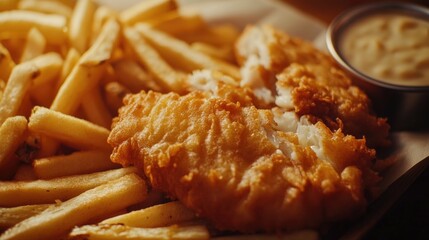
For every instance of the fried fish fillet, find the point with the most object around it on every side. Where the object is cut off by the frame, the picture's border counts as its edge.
(235, 166)
(296, 76)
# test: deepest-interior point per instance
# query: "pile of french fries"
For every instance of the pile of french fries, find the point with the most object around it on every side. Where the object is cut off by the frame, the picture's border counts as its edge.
(65, 66)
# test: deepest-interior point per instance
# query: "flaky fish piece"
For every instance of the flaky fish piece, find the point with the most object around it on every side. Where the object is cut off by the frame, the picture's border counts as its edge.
(242, 168)
(292, 74)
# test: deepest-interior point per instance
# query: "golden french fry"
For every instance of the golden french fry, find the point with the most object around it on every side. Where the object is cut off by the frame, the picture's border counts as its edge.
(133, 76)
(182, 54)
(156, 216)
(178, 21)
(6, 63)
(34, 46)
(12, 133)
(219, 35)
(114, 93)
(88, 71)
(70, 62)
(112, 232)
(12, 216)
(79, 27)
(56, 221)
(169, 78)
(82, 162)
(52, 26)
(299, 235)
(46, 6)
(101, 16)
(8, 5)
(146, 10)
(224, 53)
(16, 88)
(37, 71)
(25, 172)
(17, 193)
(96, 110)
(70, 130)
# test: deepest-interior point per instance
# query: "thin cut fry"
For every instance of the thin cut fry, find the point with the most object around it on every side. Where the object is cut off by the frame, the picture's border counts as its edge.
(182, 54)
(16, 88)
(156, 216)
(12, 135)
(134, 77)
(114, 93)
(219, 35)
(14, 193)
(112, 232)
(31, 73)
(52, 26)
(101, 16)
(6, 63)
(146, 10)
(72, 131)
(12, 216)
(46, 6)
(34, 46)
(168, 78)
(87, 73)
(25, 172)
(70, 62)
(59, 219)
(224, 53)
(96, 110)
(79, 27)
(82, 162)
(178, 22)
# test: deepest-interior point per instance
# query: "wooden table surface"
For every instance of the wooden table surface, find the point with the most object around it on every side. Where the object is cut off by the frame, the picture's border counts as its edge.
(409, 217)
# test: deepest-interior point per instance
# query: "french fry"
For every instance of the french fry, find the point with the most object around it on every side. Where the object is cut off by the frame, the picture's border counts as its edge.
(182, 54)
(52, 26)
(178, 21)
(56, 221)
(25, 172)
(34, 46)
(79, 27)
(219, 35)
(70, 62)
(224, 53)
(46, 6)
(82, 162)
(112, 232)
(96, 110)
(156, 216)
(11, 216)
(101, 16)
(8, 5)
(133, 76)
(12, 133)
(88, 71)
(14, 193)
(6, 63)
(31, 73)
(114, 93)
(70, 130)
(146, 10)
(43, 94)
(168, 77)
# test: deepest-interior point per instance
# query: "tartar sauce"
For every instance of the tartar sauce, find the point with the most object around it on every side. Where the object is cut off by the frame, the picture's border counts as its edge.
(389, 47)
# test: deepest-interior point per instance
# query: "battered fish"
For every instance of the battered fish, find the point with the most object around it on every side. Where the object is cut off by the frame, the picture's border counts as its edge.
(288, 147)
(232, 165)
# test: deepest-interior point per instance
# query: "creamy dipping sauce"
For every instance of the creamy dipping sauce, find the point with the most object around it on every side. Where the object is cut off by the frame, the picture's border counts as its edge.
(389, 47)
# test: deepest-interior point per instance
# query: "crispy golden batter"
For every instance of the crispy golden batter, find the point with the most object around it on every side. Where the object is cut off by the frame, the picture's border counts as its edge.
(308, 82)
(232, 164)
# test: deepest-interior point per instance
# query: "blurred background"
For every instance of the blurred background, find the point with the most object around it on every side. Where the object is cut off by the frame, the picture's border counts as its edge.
(326, 10)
